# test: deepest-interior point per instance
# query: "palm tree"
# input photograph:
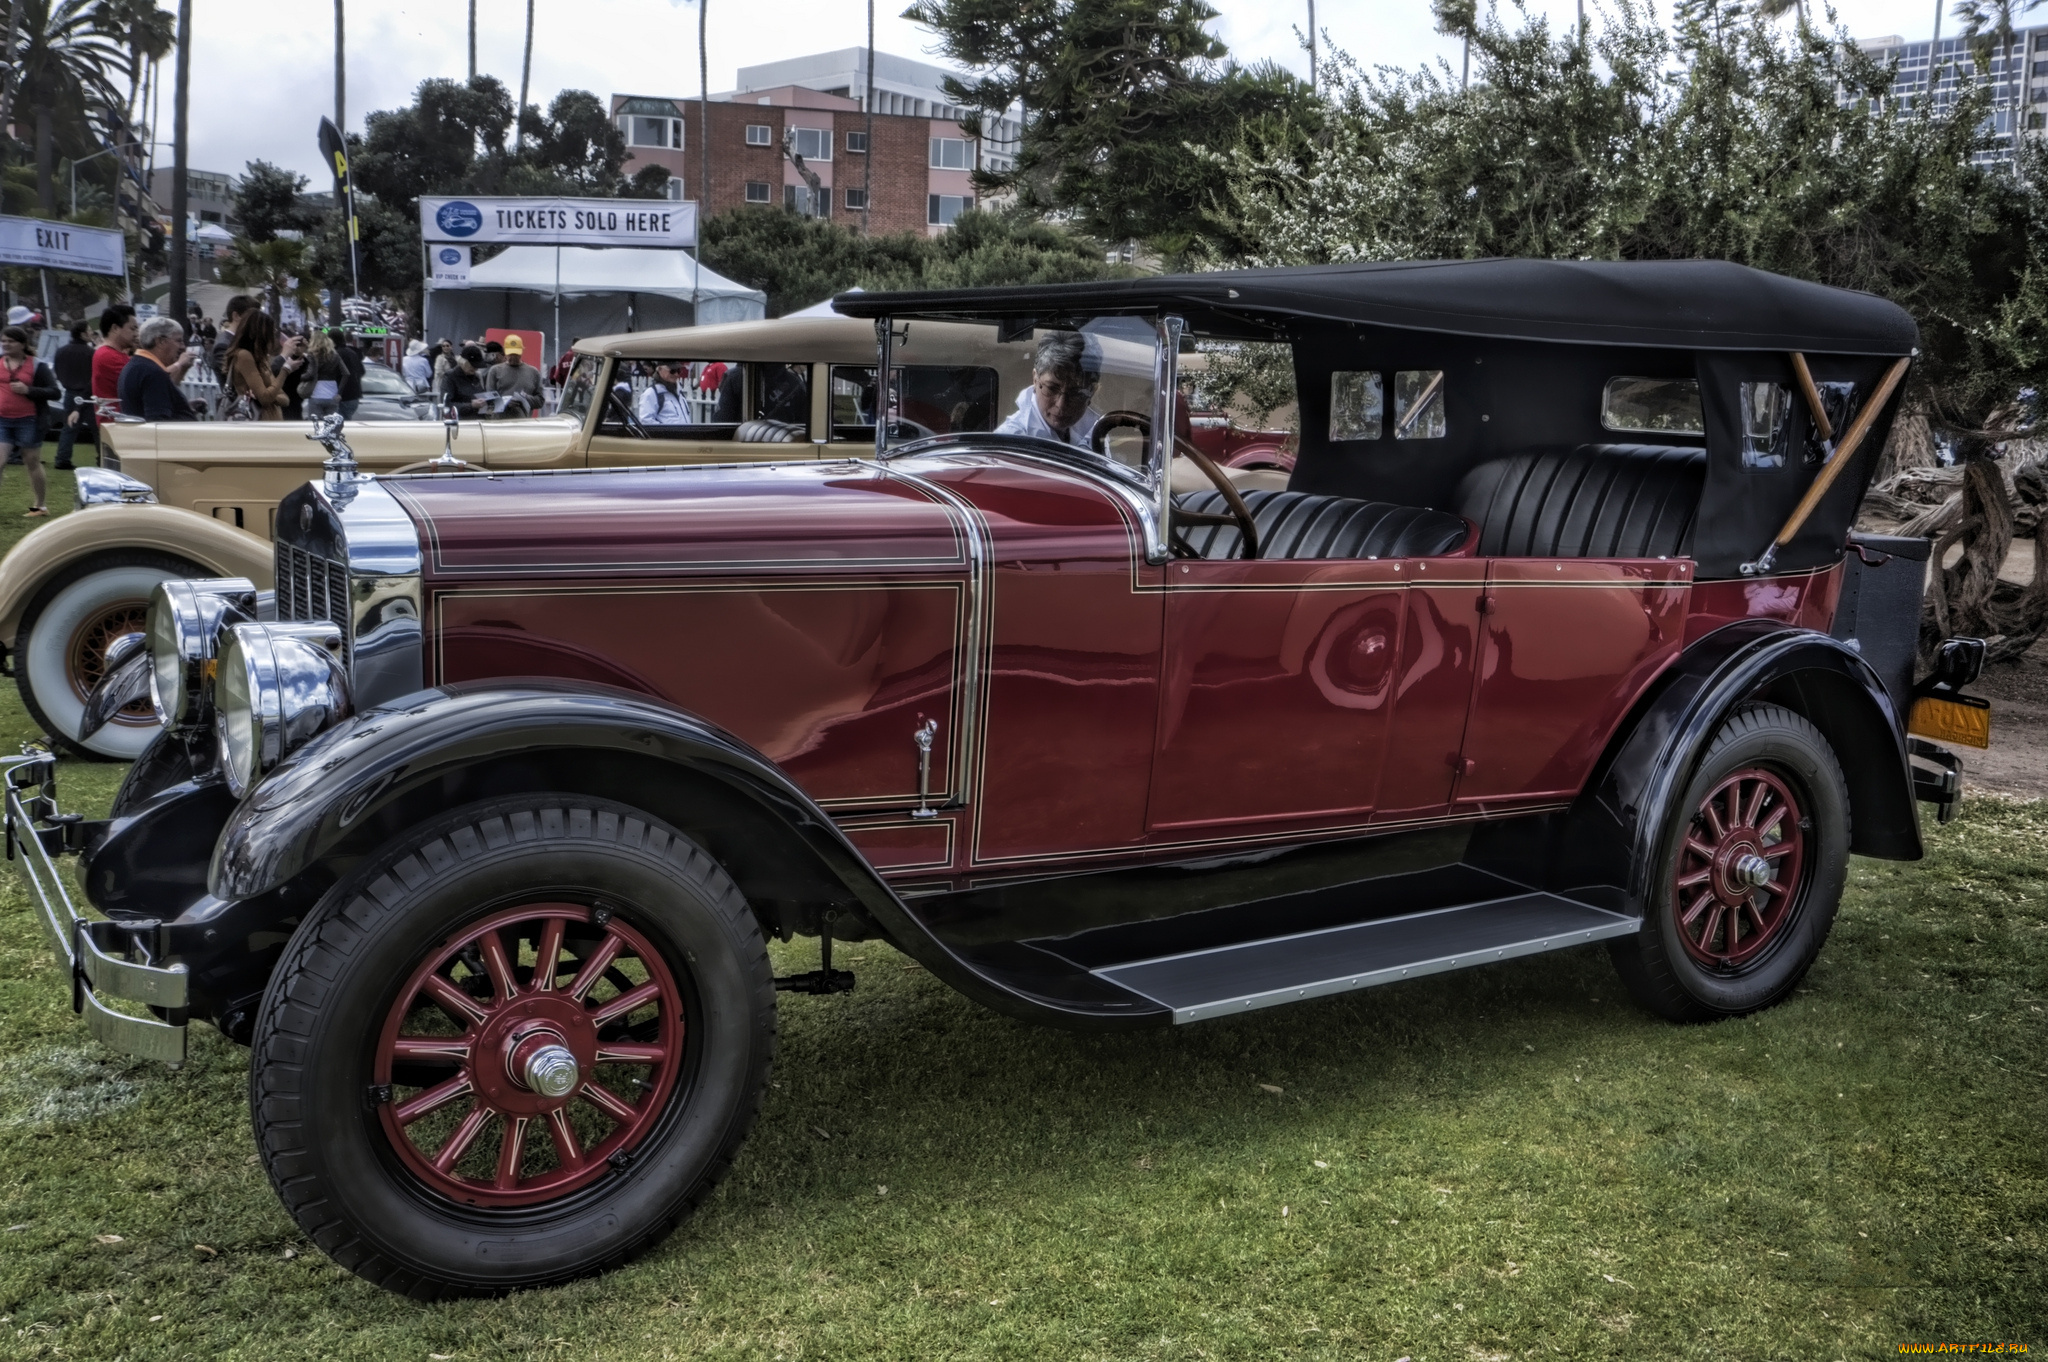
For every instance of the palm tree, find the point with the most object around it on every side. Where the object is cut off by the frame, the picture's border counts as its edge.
(1991, 22)
(703, 136)
(340, 71)
(1458, 19)
(64, 60)
(149, 34)
(281, 267)
(1988, 26)
(525, 72)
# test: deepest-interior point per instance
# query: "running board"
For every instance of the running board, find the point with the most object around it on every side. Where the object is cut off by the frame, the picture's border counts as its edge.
(1197, 985)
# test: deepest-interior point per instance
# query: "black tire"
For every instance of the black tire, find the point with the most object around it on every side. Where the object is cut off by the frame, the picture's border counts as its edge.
(316, 1116)
(57, 715)
(1659, 969)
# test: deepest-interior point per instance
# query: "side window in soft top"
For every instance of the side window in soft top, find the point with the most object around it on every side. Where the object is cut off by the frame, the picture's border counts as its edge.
(1358, 405)
(1653, 406)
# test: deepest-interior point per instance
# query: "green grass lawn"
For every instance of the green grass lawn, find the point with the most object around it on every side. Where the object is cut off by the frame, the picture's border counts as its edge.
(1510, 1162)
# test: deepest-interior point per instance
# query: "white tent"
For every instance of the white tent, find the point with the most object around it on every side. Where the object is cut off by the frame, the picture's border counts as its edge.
(575, 291)
(825, 308)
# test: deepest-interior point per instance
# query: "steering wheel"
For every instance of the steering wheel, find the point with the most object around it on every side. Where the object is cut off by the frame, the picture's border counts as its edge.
(618, 403)
(1118, 420)
(1240, 514)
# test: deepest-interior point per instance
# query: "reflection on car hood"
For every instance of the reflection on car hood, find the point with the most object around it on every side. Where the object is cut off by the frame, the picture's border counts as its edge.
(724, 519)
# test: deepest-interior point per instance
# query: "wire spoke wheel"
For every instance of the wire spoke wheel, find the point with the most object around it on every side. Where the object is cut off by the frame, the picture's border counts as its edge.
(85, 654)
(1740, 868)
(530, 1054)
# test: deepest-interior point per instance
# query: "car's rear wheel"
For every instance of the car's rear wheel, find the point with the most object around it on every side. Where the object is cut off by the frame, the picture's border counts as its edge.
(60, 649)
(514, 1049)
(1751, 864)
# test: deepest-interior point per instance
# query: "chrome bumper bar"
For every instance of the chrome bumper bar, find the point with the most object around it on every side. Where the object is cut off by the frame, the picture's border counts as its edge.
(96, 953)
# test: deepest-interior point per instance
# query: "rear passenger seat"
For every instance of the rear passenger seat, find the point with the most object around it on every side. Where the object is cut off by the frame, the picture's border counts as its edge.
(1306, 525)
(1595, 501)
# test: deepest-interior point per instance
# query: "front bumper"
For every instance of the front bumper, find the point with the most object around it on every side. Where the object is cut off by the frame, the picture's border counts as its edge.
(102, 957)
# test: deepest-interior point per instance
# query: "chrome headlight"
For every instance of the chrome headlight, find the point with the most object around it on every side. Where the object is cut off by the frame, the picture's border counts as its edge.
(184, 620)
(279, 686)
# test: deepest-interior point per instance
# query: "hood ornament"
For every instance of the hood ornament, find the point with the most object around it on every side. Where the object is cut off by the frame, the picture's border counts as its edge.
(451, 424)
(340, 470)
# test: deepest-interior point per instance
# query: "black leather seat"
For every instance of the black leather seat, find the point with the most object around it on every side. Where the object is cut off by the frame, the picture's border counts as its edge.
(766, 432)
(1595, 501)
(1305, 525)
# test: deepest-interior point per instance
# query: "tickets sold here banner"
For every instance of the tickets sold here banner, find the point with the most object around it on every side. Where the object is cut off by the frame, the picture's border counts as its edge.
(559, 222)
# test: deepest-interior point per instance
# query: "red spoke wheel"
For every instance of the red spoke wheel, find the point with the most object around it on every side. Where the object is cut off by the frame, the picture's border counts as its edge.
(530, 1054)
(1739, 868)
(514, 1045)
(1752, 852)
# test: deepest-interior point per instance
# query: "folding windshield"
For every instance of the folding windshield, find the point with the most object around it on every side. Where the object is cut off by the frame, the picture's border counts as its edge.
(1086, 387)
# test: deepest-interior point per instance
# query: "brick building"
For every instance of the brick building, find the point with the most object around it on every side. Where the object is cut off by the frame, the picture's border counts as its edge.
(920, 176)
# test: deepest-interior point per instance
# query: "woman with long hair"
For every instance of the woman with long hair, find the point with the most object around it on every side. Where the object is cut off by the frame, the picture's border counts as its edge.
(254, 393)
(320, 381)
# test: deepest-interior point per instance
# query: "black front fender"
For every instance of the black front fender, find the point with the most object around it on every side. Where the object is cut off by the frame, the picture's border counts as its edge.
(382, 772)
(1612, 831)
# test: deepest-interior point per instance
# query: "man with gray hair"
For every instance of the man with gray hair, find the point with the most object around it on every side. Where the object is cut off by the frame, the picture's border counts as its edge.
(149, 381)
(1064, 374)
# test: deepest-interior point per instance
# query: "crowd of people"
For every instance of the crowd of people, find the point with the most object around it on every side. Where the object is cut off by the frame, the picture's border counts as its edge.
(139, 366)
(481, 377)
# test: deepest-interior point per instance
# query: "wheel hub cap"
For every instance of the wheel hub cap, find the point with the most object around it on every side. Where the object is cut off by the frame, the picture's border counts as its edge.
(548, 1069)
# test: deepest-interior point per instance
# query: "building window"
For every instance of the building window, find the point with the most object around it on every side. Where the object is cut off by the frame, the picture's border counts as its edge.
(757, 191)
(946, 207)
(760, 135)
(856, 144)
(801, 198)
(813, 144)
(2035, 120)
(949, 153)
(856, 200)
(675, 189)
(642, 131)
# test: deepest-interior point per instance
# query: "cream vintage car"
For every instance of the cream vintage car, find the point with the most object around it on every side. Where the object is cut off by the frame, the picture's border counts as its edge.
(175, 500)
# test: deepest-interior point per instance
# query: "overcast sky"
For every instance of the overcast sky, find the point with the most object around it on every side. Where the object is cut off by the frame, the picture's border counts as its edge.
(263, 72)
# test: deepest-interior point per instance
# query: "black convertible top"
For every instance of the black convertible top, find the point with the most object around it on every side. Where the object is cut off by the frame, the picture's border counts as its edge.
(1679, 304)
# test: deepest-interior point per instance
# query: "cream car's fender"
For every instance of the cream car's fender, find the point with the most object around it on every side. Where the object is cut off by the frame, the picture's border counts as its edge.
(215, 545)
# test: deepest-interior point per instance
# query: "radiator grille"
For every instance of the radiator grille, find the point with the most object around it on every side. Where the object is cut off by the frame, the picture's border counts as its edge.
(313, 588)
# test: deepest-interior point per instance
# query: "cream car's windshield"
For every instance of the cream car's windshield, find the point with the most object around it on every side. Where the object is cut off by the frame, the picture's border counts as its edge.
(580, 386)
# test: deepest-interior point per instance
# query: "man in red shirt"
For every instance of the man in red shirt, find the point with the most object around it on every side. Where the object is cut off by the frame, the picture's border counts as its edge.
(117, 326)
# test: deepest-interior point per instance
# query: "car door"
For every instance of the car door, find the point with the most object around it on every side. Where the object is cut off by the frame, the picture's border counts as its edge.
(1566, 646)
(1277, 687)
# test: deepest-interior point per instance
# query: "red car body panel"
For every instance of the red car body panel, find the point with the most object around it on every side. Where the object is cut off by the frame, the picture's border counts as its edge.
(822, 613)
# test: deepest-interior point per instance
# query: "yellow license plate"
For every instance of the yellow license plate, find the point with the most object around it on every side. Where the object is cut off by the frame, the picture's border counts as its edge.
(1950, 722)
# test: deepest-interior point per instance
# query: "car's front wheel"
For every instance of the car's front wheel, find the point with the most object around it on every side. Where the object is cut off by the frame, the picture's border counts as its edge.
(1752, 859)
(62, 644)
(514, 1049)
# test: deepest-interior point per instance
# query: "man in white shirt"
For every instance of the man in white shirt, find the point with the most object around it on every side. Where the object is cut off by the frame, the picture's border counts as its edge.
(663, 404)
(1055, 406)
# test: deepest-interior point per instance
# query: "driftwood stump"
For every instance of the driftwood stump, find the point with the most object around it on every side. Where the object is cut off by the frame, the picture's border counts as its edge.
(1965, 597)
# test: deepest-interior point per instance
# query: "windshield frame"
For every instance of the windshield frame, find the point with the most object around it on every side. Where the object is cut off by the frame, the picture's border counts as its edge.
(1153, 487)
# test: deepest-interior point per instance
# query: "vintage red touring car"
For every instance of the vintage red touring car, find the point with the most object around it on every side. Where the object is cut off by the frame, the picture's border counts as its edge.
(1557, 634)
